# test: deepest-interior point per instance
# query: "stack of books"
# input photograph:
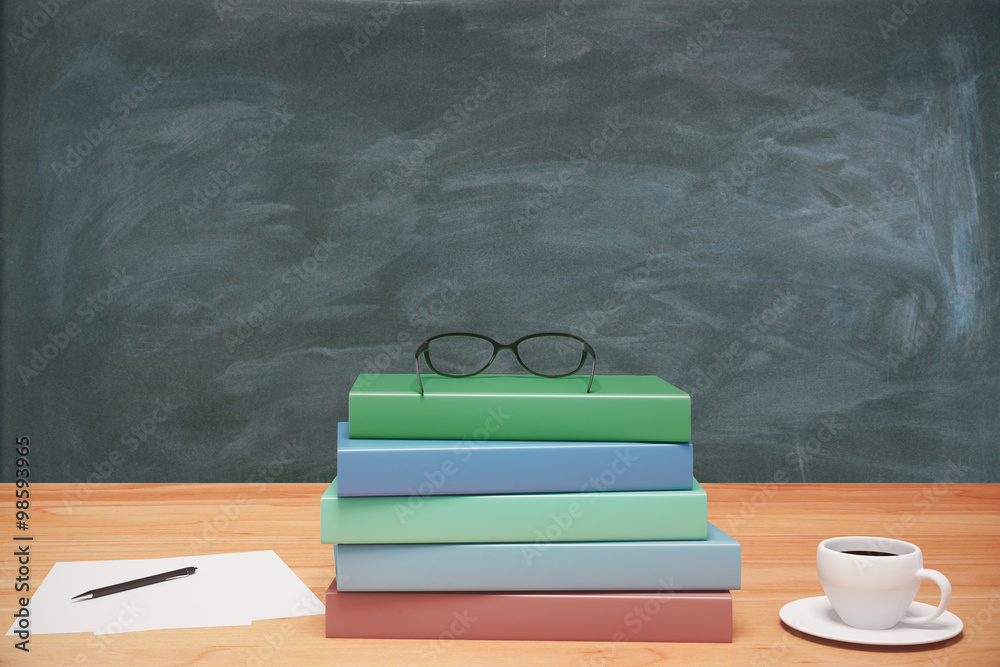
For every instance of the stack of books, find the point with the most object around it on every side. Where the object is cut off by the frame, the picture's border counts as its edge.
(523, 508)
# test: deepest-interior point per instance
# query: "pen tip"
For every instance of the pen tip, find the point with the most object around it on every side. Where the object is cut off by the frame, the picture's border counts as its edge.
(81, 597)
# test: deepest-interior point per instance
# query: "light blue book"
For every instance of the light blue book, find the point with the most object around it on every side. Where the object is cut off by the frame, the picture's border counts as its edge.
(376, 467)
(678, 565)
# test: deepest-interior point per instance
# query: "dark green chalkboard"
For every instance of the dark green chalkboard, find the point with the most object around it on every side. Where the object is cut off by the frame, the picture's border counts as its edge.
(218, 213)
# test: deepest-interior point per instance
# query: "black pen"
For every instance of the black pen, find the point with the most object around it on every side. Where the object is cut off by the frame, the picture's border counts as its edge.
(135, 583)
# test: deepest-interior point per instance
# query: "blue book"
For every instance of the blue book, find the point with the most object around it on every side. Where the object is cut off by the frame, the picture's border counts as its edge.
(678, 565)
(375, 467)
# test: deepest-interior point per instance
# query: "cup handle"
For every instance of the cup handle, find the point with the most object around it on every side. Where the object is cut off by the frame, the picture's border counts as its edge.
(945, 587)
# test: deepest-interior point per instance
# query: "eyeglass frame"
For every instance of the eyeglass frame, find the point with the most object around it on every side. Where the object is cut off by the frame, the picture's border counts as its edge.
(499, 347)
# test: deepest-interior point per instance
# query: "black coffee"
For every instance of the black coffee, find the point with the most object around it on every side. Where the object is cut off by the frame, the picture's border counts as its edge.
(869, 553)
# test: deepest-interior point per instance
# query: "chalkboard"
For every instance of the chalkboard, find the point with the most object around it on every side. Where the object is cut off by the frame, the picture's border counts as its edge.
(218, 213)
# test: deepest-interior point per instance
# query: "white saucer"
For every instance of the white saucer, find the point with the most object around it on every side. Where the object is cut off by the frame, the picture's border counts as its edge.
(815, 616)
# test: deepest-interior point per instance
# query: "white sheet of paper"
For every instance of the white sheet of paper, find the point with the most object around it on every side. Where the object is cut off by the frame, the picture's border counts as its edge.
(227, 589)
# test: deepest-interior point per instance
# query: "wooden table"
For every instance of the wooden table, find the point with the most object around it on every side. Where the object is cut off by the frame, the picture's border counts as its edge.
(779, 526)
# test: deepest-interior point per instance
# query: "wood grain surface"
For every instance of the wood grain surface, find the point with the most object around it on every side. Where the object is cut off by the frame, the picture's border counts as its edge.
(779, 526)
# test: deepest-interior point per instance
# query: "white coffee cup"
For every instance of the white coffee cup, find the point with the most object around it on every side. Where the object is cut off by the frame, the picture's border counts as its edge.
(871, 591)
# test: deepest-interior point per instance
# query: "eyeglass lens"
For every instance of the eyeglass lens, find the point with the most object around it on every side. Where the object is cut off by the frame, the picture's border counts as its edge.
(459, 355)
(543, 355)
(551, 355)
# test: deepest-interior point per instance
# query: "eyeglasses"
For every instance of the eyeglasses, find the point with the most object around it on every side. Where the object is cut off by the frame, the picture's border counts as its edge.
(462, 355)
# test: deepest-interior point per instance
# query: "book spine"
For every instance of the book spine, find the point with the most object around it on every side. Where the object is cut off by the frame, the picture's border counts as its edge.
(682, 565)
(680, 617)
(381, 467)
(538, 518)
(475, 418)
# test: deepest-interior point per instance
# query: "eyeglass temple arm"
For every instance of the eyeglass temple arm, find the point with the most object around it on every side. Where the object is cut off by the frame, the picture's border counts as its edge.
(416, 359)
(587, 348)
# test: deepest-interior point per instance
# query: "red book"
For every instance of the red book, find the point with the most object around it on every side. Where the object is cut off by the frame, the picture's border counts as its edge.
(655, 616)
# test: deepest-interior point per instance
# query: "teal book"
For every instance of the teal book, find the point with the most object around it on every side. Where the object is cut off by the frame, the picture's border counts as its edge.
(534, 518)
(676, 565)
(619, 408)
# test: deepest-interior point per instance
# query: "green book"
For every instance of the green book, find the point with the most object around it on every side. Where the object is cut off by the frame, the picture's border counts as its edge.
(619, 408)
(535, 518)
